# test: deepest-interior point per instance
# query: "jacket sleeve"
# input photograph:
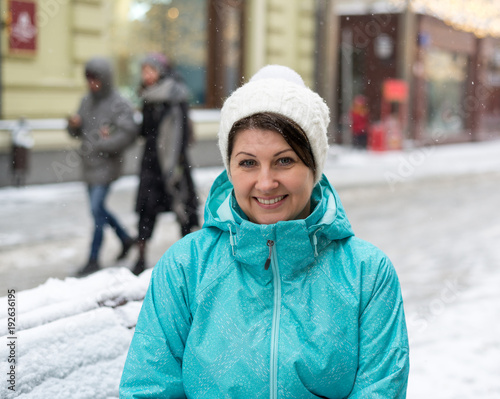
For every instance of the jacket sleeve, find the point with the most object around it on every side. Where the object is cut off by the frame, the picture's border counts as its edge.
(76, 132)
(124, 129)
(153, 368)
(383, 343)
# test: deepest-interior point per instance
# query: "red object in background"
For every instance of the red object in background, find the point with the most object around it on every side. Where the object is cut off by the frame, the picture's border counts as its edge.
(359, 115)
(395, 90)
(376, 137)
(387, 134)
(360, 122)
(22, 28)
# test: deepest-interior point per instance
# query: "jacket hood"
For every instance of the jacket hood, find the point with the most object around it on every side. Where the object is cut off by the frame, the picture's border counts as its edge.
(297, 242)
(101, 69)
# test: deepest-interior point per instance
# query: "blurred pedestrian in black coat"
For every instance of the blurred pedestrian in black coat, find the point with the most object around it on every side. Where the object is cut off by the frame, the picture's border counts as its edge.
(165, 177)
(22, 141)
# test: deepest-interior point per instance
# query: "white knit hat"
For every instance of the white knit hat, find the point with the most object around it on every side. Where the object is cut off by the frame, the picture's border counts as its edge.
(281, 90)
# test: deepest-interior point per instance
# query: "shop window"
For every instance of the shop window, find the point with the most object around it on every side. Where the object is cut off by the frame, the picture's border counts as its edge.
(201, 37)
(446, 75)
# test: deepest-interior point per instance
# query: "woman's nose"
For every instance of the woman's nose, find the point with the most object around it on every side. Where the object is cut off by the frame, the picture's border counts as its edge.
(266, 180)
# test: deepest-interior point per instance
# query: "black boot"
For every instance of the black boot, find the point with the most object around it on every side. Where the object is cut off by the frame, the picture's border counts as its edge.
(139, 267)
(126, 245)
(91, 267)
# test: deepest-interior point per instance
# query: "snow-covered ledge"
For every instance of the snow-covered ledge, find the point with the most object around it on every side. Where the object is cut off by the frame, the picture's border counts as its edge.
(71, 337)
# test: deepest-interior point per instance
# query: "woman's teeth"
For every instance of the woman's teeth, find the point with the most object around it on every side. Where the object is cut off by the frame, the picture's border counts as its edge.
(270, 201)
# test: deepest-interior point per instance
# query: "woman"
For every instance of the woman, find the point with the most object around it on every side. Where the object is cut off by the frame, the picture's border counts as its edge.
(165, 177)
(274, 297)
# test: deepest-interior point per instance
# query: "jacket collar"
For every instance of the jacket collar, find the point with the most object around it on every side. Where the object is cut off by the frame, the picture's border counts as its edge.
(165, 90)
(296, 242)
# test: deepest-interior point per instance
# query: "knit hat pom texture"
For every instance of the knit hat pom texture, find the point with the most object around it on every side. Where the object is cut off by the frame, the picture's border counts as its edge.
(281, 90)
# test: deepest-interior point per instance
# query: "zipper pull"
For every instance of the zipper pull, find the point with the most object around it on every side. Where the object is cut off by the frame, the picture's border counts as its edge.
(270, 244)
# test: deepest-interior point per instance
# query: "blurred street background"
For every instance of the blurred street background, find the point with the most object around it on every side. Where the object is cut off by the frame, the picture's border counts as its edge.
(429, 72)
(424, 188)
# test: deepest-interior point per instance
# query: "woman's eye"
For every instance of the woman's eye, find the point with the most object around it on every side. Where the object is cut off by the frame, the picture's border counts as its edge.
(285, 161)
(247, 163)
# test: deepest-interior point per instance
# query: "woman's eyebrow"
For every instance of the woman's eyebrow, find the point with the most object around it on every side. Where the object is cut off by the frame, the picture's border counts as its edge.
(245, 153)
(255, 156)
(283, 151)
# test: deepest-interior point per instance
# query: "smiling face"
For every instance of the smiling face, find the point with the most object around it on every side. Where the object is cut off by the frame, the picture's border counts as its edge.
(271, 183)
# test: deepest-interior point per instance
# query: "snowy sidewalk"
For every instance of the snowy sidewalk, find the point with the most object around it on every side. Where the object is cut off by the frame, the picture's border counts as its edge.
(350, 168)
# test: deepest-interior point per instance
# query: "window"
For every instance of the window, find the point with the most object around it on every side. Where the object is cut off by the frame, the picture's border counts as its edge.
(446, 75)
(202, 38)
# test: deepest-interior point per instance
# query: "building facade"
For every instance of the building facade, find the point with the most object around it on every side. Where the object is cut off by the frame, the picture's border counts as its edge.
(215, 44)
(341, 48)
(451, 70)
(44, 45)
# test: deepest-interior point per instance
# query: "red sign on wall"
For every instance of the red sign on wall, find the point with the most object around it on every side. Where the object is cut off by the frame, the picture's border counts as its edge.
(22, 27)
(395, 90)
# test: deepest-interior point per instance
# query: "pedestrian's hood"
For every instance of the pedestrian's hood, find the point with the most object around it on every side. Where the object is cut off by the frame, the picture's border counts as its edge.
(101, 69)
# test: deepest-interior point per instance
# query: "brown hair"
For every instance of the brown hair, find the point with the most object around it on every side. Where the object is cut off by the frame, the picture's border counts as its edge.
(286, 127)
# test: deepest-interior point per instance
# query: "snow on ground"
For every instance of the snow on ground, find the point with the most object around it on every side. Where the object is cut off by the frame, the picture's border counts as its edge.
(456, 355)
(72, 335)
(350, 168)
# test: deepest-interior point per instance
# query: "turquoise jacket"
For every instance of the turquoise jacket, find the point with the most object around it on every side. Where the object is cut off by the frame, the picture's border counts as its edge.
(296, 309)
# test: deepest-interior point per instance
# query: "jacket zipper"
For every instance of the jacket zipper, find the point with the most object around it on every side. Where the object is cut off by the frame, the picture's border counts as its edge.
(272, 260)
(270, 244)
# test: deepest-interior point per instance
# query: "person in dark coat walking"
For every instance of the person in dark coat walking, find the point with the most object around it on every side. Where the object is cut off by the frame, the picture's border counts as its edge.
(105, 125)
(165, 184)
(22, 141)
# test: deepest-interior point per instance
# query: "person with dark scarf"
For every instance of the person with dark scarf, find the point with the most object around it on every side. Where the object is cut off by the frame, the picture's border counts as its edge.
(105, 125)
(165, 184)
